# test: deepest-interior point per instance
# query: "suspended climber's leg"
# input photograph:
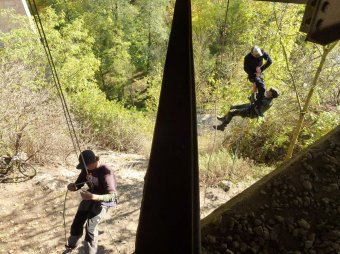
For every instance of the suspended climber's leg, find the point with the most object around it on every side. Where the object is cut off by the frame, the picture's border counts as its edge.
(260, 95)
(226, 119)
(243, 110)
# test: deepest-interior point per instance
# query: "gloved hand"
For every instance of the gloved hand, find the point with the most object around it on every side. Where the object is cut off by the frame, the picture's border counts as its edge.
(72, 187)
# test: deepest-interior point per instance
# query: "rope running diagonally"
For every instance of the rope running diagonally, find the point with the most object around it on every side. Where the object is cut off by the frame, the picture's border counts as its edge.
(44, 42)
(74, 138)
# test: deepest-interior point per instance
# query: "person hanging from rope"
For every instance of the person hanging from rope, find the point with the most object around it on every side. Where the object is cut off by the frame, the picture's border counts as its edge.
(253, 66)
(247, 110)
(95, 201)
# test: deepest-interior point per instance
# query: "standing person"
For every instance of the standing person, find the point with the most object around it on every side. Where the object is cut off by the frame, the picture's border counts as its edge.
(247, 110)
(253, 66)
(95, 202)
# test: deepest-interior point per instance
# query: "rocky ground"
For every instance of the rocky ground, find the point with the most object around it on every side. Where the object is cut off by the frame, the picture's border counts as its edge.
(32, 211)
(295, 209)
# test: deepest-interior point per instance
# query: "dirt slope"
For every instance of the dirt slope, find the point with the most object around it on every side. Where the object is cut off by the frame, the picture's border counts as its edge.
(32, 212)
(294, 209)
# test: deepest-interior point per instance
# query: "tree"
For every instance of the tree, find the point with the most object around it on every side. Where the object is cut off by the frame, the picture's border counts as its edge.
(303, 106)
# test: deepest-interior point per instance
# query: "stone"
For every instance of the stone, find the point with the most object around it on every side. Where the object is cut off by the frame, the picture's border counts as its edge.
(229, 239)
(273, 236)
(311, 237)
(335, 246)
(223, 230)
(231, 224)
(296, 232)
(266, 235)
(258, 230)
(307, 185)
(224, 246)
(235, 244)
(279, 218)
(334, 235)
(303, 224)
(333, 186)
(257, 222)
(243, 248)
(308, 244)
(272, 222)
(326, 201)
(211, 239)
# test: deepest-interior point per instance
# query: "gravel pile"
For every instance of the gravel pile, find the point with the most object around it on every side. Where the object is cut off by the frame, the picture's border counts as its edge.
(293, 210)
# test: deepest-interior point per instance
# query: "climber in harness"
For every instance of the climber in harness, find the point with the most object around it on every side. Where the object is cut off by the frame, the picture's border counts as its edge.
(247, 110)
(254, 67)
(95, 201)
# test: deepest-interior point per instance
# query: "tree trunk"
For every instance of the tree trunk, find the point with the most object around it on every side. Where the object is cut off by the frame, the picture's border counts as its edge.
(298, 127)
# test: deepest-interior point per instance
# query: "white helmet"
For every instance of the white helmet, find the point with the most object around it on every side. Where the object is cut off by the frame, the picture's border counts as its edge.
(256, 51)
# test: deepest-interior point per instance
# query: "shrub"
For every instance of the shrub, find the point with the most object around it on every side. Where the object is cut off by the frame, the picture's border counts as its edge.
(108, 124)
(218, 166)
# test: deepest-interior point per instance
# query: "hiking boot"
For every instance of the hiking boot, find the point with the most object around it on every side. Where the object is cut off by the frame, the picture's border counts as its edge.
(219, 127)
(221, 118)
(258, 111)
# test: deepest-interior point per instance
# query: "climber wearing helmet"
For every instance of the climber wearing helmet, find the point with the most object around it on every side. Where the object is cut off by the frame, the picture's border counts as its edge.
(253, 66)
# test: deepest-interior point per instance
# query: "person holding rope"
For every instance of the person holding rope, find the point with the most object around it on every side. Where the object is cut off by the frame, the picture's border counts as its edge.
(253, 66)
(95, 201)
(247, 110)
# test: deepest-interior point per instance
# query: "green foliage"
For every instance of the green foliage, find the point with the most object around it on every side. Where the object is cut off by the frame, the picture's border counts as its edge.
(31, 119)
(110, 55)
(107, 124)
(317, 124)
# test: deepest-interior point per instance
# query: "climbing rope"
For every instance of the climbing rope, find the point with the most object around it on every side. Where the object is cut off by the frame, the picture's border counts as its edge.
(231, 171)
(64, 210)
(222, 33)
(44, 42)
(56, 80)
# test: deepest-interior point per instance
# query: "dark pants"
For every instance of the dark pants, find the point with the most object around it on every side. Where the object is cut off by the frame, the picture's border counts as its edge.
(92, 213)
(243, 110)
(258, 81)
